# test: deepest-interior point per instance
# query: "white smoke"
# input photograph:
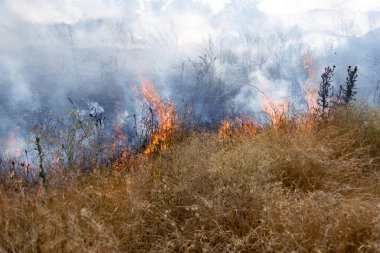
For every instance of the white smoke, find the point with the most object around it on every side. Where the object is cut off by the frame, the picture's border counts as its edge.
(94, 50)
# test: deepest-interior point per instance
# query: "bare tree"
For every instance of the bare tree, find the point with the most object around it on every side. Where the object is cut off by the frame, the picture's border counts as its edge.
(209, 83)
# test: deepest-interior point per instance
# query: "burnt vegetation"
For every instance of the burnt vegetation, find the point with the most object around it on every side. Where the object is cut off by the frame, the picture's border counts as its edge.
(303, 183)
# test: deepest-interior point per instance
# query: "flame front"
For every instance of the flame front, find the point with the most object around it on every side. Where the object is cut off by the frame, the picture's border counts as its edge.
(165, 114)
(311, 89)
(240, 128)
(119, 146)
(276, 110)
(13, 144)
(225, 130)
(247, 126)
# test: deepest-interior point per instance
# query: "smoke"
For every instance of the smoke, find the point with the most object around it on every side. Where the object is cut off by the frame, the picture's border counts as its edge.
(95, 51)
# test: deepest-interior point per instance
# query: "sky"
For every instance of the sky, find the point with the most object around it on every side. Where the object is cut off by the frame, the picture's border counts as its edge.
(289, 13)
(93, 50)
(191, 20)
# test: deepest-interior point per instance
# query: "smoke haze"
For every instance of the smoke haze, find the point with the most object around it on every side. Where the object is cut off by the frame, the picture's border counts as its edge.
(95, 51)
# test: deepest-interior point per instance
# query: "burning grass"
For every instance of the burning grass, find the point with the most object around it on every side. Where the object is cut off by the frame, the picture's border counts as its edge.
(277, 189)
(161, 134)
(311, 90)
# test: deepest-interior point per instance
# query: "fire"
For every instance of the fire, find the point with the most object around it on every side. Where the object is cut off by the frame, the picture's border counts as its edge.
(13, 144)
(311, 89)
(306, 123)
(247, 126)
(119, 146)
(240, 128)
(225, 130)
(276, 110)
(166, 119)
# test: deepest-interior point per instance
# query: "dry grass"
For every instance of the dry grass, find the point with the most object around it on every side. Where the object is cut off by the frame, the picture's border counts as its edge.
(281, 190)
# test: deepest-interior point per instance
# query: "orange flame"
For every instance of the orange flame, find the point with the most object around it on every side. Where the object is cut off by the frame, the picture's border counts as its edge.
(13, 145)
(247, 126)
(225, 130)
(240, 128)
(311, 90)
(276, 110)
(166, 118)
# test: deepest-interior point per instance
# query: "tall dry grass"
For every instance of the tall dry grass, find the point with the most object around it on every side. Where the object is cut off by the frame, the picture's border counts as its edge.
(315, 190)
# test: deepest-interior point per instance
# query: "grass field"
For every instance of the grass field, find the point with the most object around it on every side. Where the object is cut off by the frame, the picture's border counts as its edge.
(283, 189)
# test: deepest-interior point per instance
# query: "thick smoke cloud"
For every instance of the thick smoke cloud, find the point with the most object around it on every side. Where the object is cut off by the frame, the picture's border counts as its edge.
(94, 51)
